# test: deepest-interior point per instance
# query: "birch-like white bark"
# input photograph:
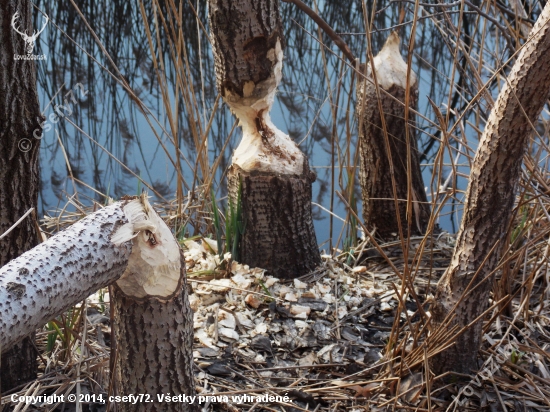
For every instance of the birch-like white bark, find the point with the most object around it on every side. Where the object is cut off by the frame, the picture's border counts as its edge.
(94, 252)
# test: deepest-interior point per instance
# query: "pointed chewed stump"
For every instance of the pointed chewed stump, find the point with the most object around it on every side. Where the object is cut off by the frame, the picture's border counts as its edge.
(388, 147)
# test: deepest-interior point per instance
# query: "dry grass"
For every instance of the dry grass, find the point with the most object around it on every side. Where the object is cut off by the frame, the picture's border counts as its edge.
(479, 43)
(372, 355)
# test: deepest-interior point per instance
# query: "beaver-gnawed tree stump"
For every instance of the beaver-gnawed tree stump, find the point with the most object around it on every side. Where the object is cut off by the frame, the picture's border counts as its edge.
(247, 41)
(391, 181)
(276, 211)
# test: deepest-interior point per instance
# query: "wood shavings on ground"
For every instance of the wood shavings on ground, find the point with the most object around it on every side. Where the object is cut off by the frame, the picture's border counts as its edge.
(343, 338)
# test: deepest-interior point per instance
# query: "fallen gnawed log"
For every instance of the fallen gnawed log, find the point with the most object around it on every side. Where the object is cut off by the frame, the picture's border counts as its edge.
(129, 244)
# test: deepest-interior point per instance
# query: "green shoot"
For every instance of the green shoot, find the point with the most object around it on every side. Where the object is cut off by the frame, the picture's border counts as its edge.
(515, 356)
(519, 228)
(266, 290)
(217, 223)
(102, 300)
(234, 226)
(52, 337)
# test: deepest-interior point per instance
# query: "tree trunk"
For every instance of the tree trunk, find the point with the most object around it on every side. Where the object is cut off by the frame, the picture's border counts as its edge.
(490, 199)
(153, 324)
(247, 40)
(276, 242)
(19, 175)
(388, 153)
(153, 321)
(57, 274)
(154, 349)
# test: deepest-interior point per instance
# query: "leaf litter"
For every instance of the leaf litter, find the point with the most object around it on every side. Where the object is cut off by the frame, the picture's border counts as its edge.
(334, 340)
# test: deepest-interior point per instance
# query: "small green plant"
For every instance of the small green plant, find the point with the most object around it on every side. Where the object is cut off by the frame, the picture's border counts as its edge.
(101, 296)
(182, 239)
(180, 233)
(266, 290)
(346, 291)
(234, 226)
(52, 336)
(66, 329)
(518, 230)
(516, 356)
(217, 223)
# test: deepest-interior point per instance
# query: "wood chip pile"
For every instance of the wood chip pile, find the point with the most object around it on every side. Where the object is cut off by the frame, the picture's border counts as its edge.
(321, 340)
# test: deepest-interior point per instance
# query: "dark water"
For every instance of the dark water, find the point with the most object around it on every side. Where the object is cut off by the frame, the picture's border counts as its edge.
(103, 113)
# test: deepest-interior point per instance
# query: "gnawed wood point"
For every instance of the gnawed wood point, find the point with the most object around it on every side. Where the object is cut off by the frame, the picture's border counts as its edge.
(388, 146)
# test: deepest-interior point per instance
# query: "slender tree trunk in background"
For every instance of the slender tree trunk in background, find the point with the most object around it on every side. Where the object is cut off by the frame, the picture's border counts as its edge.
(247, 41)
(397, 155)
(490, 200)
(19, 174)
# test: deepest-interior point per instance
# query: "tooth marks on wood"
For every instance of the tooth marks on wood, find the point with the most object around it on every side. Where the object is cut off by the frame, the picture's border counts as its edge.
(267, 137)
(242, 35)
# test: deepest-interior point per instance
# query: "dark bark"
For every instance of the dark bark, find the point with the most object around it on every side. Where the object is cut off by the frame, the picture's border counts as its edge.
(242, 34)
(383, 158)
(276, 211)
(19, 174)
(247, 40)
(490, 199)
(154, 341)
(19, 364)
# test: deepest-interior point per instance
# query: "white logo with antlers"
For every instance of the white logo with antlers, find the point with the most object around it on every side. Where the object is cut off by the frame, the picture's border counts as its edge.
(29, 40)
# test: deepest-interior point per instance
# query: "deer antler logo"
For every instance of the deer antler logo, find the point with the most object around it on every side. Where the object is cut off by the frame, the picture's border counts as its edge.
(29, 40)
